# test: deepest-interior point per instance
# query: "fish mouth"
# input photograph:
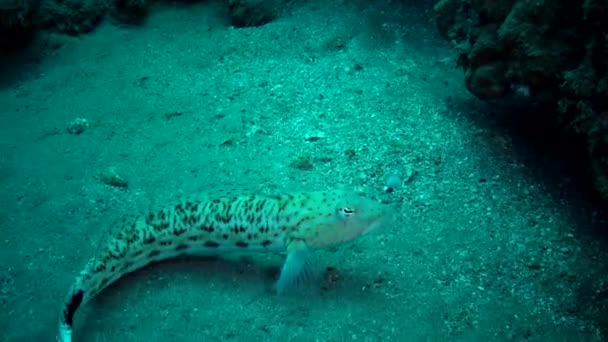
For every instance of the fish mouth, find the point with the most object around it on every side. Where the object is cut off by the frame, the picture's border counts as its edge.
(382, 221)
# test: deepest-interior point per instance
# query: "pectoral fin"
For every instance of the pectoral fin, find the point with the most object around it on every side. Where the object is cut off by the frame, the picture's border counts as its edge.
(296, 269)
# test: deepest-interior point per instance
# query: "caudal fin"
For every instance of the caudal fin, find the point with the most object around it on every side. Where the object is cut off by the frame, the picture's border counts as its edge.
(72, 303)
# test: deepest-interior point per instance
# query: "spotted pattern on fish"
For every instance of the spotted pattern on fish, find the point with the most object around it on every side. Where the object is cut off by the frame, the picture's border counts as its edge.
(223, 223)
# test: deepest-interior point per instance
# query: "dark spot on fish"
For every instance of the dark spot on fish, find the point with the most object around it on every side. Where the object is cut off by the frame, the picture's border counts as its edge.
(242, 229)
(242, 244)
(260, 205)
(153, 254)
(138, 252)
(181, 247)
(211, 244)
(166, 243)
(100, 267)
(216, 201)
(266, 243)
(131, 239)
(222, 218)
(208, 229)
(179, 231)
(225, 236)
(193, 238)
(283, 206)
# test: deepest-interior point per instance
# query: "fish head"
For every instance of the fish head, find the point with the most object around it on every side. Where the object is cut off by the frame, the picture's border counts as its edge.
(344, 218)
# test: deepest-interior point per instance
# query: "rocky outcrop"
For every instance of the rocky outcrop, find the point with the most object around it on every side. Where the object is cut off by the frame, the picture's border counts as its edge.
(549, 54)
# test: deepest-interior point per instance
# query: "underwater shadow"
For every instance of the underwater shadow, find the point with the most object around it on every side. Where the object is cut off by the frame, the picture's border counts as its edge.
(551, 155)
(21, 63)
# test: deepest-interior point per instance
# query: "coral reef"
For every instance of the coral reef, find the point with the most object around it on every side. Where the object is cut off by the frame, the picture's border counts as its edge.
(548, 54)
(20, 19)
(246, 13)
(71, 16)
(15, 23)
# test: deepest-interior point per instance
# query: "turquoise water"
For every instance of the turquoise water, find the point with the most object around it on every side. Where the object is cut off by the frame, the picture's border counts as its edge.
(487, 244)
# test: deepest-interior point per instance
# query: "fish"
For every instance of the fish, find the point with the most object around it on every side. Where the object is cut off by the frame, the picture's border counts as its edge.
(216, 224)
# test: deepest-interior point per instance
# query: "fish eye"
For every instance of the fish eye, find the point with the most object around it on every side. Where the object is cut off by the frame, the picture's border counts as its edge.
(346, 211)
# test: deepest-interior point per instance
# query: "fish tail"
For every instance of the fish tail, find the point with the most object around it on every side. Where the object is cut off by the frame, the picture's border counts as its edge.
(73, 301)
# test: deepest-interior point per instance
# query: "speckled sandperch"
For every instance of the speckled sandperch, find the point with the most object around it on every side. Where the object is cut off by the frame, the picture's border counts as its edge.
(223, 222)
